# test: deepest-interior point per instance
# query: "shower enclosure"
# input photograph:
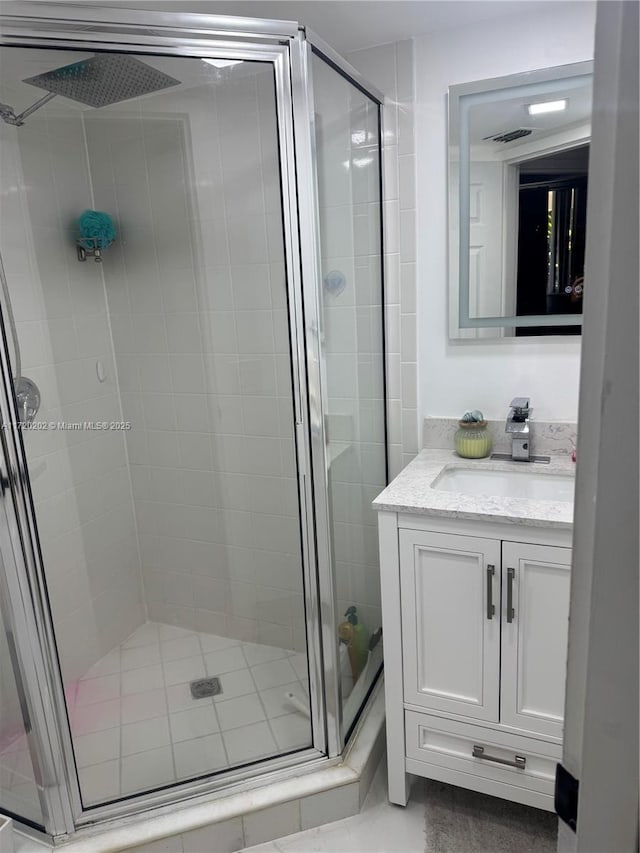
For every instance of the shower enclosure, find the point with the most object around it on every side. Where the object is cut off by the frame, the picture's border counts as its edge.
(193, 406)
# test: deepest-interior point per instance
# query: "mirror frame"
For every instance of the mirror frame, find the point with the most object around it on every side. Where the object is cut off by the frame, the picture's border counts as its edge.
(460, 99)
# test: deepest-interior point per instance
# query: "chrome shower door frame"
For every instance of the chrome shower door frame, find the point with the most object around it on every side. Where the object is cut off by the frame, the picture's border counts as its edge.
(285, 45)
(308, 44)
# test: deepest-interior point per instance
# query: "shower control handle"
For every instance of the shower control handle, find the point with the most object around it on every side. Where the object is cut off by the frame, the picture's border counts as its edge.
(27, 399)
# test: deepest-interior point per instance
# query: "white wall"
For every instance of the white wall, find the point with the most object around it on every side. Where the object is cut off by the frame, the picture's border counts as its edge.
(454, 376)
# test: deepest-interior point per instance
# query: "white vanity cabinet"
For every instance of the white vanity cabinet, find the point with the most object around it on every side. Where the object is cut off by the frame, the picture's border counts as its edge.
(475, 620)
(533, 647)
(451, 650)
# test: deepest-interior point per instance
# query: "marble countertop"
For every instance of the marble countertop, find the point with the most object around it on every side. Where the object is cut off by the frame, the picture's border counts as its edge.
(412, 492)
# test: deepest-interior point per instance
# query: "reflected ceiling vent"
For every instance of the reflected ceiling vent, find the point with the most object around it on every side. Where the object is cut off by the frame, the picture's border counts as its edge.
(509, 135)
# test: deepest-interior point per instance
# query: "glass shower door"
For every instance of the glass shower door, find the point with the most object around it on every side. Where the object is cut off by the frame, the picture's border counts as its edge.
(162, 460)
(351, 322)
(19, 790)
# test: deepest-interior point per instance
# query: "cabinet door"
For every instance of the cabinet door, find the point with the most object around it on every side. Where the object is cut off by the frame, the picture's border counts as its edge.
(535, 613)
(451, 622)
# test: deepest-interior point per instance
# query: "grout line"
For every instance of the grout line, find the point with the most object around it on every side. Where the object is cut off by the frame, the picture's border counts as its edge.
(266, 716)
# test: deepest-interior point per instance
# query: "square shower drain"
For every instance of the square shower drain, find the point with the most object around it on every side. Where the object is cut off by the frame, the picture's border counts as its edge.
(203, 687)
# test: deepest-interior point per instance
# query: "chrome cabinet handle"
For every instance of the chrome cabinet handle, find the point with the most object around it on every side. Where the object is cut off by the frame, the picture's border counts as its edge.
(511, 573)
(491, 608)
(519, 760)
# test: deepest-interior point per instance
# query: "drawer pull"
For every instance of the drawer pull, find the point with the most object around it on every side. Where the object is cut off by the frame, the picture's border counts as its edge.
(511, 573)
(491, 608)
(520, 761)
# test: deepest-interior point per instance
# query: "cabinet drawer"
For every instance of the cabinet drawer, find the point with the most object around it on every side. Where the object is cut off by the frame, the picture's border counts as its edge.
(450, 744)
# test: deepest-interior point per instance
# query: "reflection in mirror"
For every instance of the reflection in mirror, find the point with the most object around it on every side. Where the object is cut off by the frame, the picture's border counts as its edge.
(552, 218)
(518, 167)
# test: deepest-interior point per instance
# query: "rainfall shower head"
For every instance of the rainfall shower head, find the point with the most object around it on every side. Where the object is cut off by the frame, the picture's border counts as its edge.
(103, 80)
(97, 82)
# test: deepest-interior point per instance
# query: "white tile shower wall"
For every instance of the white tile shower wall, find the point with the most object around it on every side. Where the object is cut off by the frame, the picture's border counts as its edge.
(391, 68)
(196, 291)
(79, 478)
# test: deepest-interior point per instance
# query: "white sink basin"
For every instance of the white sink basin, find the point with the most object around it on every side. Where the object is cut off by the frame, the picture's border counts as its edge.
(533, 485)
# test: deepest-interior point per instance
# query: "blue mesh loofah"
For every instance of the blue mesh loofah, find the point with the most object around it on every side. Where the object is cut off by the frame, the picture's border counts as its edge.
(97, 229)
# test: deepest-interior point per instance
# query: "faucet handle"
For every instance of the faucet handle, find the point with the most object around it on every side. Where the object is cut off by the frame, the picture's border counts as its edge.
(520, 404)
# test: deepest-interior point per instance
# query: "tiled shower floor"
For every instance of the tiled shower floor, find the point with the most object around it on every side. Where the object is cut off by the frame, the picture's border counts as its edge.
(135, 724)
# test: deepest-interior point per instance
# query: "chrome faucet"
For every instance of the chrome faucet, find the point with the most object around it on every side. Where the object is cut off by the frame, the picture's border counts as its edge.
(517, 427)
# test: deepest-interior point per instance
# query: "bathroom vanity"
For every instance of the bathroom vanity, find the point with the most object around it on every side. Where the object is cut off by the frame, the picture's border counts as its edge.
(475, 563)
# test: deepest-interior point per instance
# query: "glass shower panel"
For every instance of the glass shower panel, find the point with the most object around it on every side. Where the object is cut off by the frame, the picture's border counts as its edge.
(349, 198)
(19, 795)
(162, 459)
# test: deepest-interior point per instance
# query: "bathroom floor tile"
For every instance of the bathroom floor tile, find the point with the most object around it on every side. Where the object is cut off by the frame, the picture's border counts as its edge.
(240, 712)
(92, 690)
(143, 706)
(136, 725)
(256, 654)
(275, 699)
(179, 698)
(273, 673)
(292, 731)
(198, 756)
(142, 680)
(153, 768)
(226, 660)
(299, 663)
(183, 670)
(142, 636)
(166, 633)
(145, 735)
(97, 747)
(140, 656)
(193, 723)
(212, 643)
(100, 782)
(238, 683)
(249, 743)
(108, 665)
(181, 647)
(86, 719)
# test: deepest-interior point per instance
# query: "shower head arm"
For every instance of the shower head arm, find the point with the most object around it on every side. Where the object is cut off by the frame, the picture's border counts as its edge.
(8, 115)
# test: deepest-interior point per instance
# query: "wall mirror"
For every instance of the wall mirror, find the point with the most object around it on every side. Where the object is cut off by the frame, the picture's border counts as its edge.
(518, 169)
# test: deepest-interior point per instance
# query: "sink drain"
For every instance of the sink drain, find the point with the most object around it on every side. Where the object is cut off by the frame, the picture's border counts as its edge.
(203, 687)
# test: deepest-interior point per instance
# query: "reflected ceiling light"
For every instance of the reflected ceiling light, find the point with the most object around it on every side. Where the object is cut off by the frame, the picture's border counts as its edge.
(547, 107)
(223, 63)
